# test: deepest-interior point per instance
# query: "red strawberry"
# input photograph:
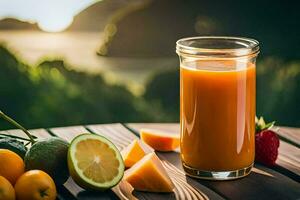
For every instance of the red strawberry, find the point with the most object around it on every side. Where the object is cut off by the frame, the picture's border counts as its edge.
(266, 142)
(266, 147)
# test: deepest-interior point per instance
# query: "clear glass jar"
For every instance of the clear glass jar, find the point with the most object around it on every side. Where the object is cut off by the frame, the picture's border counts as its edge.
(217, 106)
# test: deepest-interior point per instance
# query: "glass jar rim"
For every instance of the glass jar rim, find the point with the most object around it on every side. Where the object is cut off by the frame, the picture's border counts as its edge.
(217, 46)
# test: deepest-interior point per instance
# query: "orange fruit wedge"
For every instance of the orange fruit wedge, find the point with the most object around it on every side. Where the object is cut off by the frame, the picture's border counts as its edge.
(160, 140)
(135, 152)
(149, 175)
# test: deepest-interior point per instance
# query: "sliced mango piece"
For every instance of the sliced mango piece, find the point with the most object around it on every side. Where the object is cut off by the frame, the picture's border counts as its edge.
(149, 175)
(134, 152)
(160, 140)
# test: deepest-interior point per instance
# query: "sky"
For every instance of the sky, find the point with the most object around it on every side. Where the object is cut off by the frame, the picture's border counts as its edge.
(50, 15)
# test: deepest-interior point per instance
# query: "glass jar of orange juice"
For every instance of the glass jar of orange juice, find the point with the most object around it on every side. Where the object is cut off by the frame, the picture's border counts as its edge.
(217, 106)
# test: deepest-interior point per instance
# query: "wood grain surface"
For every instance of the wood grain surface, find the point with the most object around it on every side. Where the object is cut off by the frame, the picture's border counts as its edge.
(279, 182)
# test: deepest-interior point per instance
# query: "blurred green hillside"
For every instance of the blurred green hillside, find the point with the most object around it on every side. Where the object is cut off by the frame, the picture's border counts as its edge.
(51, 94)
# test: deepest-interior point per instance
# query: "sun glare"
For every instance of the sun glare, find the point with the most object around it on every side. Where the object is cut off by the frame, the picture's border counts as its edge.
(56, 24)
(50, 15)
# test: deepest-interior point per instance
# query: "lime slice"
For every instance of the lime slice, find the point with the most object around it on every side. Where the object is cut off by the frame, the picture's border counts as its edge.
(94, 162)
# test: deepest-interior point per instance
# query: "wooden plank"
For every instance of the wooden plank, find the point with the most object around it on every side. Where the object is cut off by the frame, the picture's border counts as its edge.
(114, 132)
(288, 161)
(289, 158)
(262, 183)
(186, 188)
(39, 133)
(288, 134)
(291, 133)
(68, 133)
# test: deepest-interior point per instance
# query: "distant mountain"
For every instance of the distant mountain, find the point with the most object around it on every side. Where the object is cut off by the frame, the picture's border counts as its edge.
(154, 29)
(13, 24)
(95, 17)
(150, 30)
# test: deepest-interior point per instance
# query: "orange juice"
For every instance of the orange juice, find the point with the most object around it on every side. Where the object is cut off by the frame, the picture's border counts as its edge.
(217, 113)
(217, 106)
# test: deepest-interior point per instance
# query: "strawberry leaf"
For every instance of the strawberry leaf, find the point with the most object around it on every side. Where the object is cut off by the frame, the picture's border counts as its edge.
(261, 125)
(269, 125)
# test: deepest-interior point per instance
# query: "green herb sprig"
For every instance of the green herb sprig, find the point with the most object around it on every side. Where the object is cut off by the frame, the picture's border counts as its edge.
(16, 124)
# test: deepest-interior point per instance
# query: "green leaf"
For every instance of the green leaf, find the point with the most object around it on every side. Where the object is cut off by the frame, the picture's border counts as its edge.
(269, 125)
(261, 125)
(256, 120)
(261, 122)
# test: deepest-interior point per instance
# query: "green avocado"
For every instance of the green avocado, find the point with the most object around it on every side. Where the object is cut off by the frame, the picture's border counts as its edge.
(13, 145)
(50, 156)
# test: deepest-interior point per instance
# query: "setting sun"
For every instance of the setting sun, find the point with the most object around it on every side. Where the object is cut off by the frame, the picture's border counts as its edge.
(55, 23)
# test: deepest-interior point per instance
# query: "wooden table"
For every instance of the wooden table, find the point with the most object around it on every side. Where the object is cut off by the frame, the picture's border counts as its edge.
(279, 182)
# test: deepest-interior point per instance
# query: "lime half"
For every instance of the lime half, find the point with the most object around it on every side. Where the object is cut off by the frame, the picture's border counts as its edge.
(94, 162)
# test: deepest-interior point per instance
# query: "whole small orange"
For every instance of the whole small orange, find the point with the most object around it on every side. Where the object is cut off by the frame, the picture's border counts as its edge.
(11, 165)
(35, 185)
(7, 191)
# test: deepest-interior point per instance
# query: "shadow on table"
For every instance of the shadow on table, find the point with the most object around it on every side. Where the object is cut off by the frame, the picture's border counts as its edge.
(109, 195)
(262, 183)
(152, 195)
(90, 195)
